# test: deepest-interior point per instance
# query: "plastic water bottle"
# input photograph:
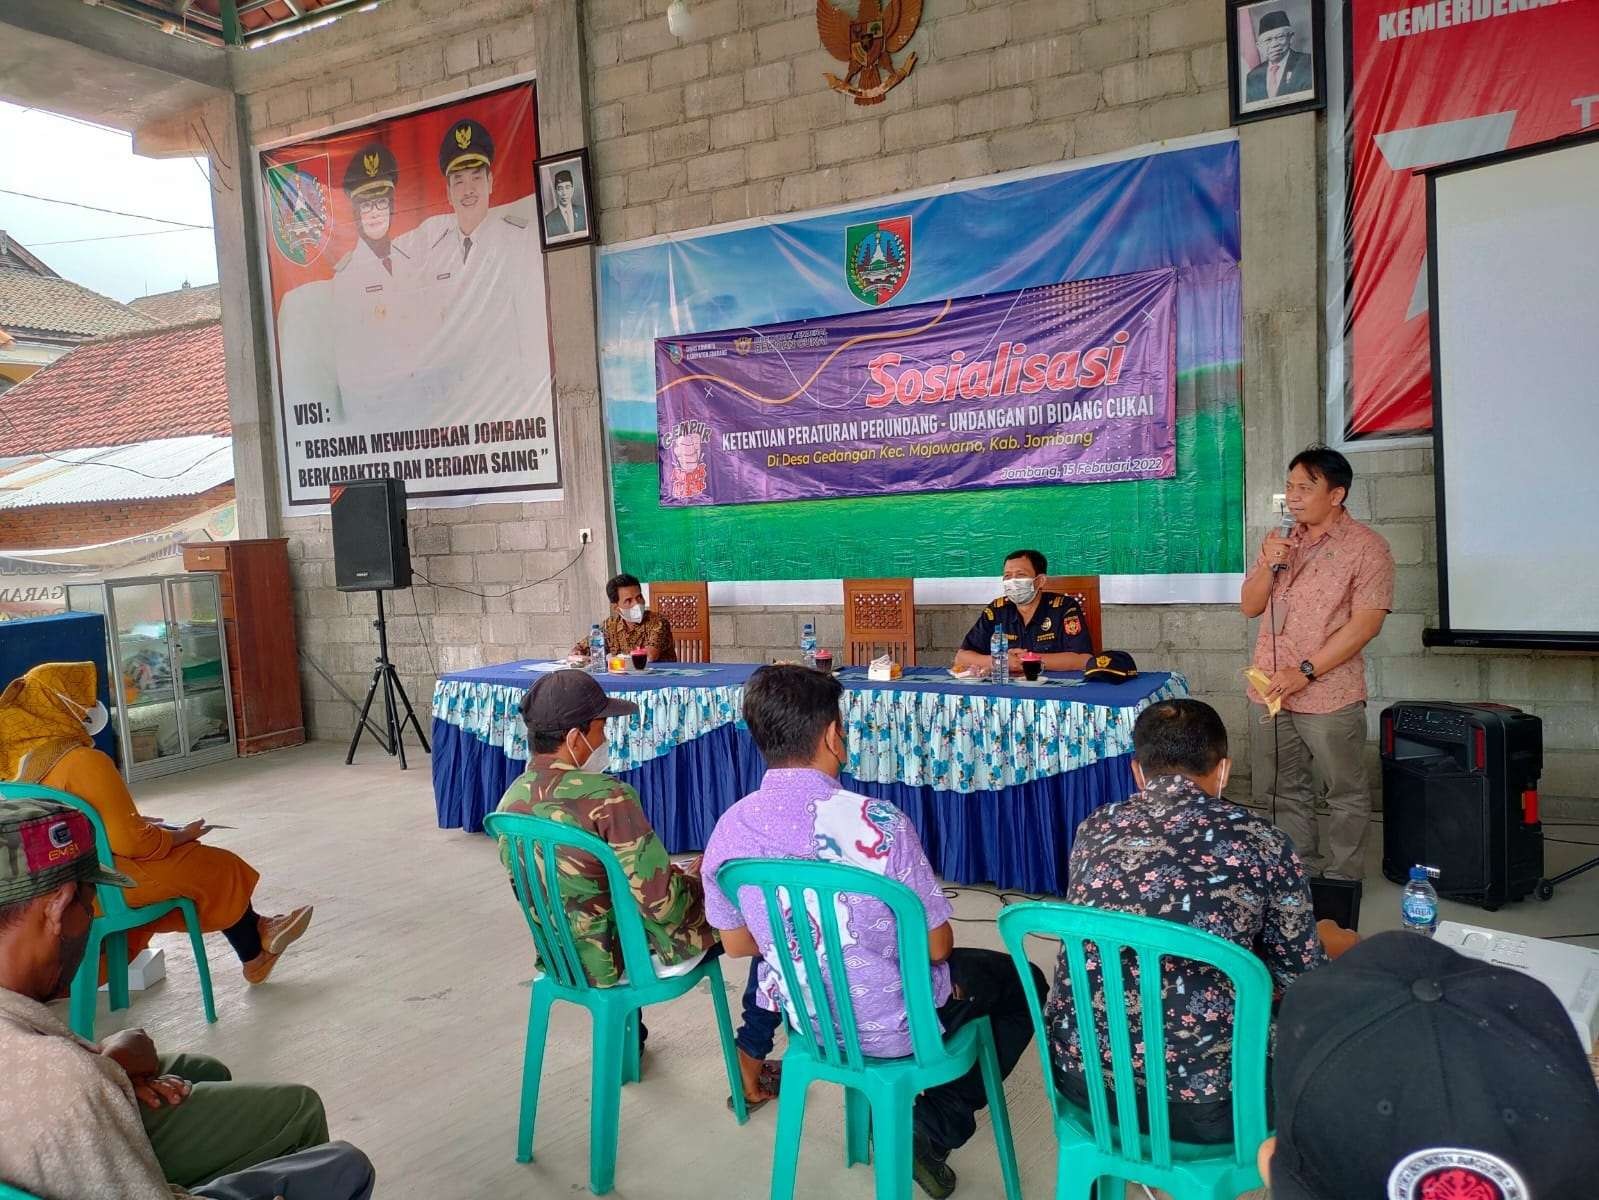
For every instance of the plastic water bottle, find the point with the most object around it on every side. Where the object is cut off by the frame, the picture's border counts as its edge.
(596, 650)
(808, 645)
(1418, 907)
(999, 653)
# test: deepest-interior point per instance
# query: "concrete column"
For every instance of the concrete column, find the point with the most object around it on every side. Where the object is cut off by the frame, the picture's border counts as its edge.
(574, 328)
(245, 338)
(1279, 180)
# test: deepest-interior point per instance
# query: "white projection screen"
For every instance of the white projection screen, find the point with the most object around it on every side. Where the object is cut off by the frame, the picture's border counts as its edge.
(1514, 256)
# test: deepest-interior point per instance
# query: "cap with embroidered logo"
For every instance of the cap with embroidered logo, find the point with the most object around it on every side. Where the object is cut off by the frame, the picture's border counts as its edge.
(371, 170)
(44, 844)
(466, 144)
(1406, 1071)
(1110, 666)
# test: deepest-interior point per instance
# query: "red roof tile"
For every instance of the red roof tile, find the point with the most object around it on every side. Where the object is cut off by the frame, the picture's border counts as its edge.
(180, 307)
(60, 309)
(115, 391)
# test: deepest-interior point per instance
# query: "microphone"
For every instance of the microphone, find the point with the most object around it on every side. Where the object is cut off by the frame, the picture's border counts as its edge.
(1284, 527)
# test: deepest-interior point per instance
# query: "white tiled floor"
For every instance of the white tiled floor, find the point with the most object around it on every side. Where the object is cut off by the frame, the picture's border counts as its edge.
(405, 1004)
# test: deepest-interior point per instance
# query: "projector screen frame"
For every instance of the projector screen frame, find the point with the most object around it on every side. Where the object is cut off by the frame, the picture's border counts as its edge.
(1444, 634)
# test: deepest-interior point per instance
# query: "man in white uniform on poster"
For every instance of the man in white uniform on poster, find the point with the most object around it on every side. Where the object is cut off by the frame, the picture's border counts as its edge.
(374, 294)
(482, 296)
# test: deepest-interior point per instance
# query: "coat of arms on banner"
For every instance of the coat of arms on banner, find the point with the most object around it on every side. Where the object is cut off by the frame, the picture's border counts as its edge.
(297, 199)
(865, 42)
(877, 259)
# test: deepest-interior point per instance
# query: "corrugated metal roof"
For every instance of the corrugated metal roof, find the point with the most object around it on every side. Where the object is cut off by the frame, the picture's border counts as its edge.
(184, 466)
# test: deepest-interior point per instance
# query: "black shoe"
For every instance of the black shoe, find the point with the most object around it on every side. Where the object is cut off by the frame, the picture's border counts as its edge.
(930, 1166)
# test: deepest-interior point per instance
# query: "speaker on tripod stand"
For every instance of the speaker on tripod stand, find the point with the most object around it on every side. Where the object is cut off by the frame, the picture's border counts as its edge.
(371, 554)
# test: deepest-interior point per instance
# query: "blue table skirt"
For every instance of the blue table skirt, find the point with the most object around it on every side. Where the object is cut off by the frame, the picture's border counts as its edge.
(1020, 838)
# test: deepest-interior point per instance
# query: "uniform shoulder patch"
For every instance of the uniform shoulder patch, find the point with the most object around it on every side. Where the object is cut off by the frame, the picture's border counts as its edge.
(1056, 601)
(343, 262)
(443, 233)
(513, 219)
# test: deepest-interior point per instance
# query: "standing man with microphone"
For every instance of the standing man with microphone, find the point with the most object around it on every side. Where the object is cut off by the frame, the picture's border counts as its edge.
(1325, 583)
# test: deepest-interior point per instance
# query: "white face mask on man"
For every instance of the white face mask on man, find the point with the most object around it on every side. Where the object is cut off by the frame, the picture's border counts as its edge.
(599, 757)
(1019, 591)
(633, 614)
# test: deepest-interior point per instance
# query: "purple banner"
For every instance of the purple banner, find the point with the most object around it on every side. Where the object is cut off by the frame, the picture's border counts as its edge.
(1065, 383)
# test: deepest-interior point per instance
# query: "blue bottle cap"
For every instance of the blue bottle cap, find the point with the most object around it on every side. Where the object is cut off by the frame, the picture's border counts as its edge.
(1418, 874)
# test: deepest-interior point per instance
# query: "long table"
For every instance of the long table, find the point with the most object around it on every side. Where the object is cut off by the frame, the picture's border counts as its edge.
(996, 779)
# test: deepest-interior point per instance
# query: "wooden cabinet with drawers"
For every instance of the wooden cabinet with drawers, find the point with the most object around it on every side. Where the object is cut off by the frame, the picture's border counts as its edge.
(263, 654)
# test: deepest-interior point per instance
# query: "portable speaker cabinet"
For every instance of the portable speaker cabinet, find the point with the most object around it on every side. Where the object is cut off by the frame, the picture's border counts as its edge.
(1460, 793)
(371, 551)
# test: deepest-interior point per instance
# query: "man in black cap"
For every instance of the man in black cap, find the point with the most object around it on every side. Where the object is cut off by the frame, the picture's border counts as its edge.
(1283, 71)
(566, 781)
(374, 290)
(1406, 1071)
(81, 1119)
(482, 304)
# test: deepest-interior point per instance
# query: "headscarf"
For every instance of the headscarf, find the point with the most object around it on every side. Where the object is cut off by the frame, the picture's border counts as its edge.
(35, 720)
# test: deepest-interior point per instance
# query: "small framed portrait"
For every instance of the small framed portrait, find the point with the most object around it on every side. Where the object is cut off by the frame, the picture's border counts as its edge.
(566, 211)
(1274, 52)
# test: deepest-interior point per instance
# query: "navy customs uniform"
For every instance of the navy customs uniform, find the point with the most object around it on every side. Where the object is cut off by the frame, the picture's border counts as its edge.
(1057, 627)
(374, 292)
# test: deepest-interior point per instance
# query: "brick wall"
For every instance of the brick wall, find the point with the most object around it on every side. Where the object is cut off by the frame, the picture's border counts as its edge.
(53, 526)
(736, 121)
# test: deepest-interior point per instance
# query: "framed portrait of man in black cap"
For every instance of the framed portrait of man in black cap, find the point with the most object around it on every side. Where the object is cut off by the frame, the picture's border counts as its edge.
(565, 212)
(1275, 59)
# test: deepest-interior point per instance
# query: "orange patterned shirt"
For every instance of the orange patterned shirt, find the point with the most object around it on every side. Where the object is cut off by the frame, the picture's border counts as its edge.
(1347, 569)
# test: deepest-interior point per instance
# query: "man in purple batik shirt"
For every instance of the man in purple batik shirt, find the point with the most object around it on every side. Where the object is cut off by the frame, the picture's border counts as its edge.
(800, 811)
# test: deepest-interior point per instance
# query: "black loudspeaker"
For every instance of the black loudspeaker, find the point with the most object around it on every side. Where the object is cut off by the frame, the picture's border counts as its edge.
(370, 548)
(1460, 793)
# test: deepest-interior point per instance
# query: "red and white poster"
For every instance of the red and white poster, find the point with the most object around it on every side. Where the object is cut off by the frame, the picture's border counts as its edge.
(1430, 84)
(408, 301)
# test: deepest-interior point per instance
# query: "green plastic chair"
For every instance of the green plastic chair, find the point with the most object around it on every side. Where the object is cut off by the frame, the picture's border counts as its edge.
(615, 1010)
(7, 1192)
(110, 928)
(1093, 1147)
(879, 1093)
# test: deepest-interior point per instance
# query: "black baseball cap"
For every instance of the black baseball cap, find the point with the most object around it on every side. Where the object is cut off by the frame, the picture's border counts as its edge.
(1406, 1071)
(1110, 666)
(569, 699)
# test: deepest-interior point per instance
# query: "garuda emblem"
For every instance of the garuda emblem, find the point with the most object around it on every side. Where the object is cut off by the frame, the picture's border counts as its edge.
(866, 42)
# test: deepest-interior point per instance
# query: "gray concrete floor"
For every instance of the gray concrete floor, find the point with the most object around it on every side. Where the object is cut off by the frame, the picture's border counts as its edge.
(405, 1003)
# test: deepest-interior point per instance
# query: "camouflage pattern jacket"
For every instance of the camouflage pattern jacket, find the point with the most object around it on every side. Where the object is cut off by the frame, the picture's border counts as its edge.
(671, 903)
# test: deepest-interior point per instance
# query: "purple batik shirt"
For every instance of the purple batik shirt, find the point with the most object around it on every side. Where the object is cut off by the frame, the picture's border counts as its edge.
(800, 813)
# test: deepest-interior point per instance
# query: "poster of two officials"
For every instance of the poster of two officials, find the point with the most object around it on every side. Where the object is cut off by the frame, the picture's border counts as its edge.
(409, 305)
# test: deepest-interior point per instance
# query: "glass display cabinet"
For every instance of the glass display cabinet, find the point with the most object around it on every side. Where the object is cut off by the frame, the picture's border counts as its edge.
(169, 670)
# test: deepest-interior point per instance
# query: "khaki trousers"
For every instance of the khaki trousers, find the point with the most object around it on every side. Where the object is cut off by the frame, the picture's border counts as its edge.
(1283, 753)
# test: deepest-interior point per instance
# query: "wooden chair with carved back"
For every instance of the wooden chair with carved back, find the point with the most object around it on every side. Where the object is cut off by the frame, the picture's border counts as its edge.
(687, 609)
(879, 615)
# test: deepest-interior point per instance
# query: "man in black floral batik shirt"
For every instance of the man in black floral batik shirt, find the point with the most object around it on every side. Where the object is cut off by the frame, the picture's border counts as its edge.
(1179, 852)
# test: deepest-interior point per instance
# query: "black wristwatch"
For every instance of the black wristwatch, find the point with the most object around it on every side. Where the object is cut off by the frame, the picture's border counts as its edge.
(1308, 671)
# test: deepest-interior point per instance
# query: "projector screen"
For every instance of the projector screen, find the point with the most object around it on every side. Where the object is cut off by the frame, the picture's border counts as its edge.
(1514, 255)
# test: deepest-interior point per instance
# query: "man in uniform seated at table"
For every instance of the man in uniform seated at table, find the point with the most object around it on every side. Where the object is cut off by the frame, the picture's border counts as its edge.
(1049, 624)
(631, 625)
(1178, 851)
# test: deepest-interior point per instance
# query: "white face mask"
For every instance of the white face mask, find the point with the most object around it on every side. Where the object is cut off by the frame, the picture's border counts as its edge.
(94, 719)
(633, 615)
(599, 758)
(1019, 591)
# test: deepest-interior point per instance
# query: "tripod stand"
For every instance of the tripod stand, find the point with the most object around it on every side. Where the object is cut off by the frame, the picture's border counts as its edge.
(384, 675)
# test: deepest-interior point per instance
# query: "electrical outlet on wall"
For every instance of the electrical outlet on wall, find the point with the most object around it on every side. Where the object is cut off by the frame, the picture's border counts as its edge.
(585, 536)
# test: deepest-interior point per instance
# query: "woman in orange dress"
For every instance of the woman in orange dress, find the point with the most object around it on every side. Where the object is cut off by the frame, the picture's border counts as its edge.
(47, 719)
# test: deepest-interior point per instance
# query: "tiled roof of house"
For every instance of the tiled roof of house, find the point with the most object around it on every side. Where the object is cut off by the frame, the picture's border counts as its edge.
(116, 391)
(45, 304)
(180, 307)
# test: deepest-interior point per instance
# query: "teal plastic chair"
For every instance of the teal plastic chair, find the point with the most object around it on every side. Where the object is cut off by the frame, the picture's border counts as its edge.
(615, 1010)
(7, 1192)
(1093, 1147)
(880, 1093)
(110, 928)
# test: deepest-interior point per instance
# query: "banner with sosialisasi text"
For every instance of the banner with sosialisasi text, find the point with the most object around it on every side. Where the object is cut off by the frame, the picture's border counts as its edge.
(1064, 383)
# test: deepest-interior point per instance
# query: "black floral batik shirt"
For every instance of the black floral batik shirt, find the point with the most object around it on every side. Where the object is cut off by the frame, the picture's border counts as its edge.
(1173, 852)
